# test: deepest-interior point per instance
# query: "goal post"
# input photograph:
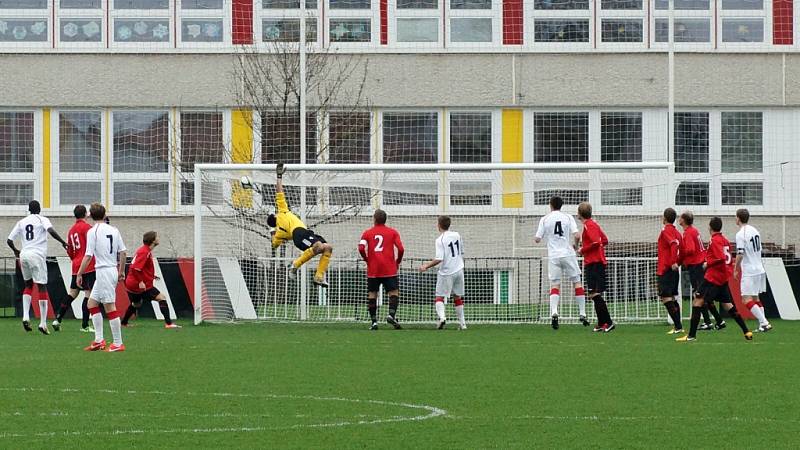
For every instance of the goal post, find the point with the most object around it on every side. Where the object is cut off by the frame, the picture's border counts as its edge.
(495, 206)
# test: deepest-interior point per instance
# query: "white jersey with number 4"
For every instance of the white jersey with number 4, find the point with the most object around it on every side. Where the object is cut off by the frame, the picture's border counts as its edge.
(32, 231)
(104, 243)
(557, 229)
(450, 251)
(748, 244)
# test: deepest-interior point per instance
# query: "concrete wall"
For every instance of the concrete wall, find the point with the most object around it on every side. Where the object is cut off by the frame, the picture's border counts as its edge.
(408, 80)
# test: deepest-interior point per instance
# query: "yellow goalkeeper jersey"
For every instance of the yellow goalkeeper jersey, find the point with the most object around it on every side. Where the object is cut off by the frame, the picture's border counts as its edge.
(286, 221)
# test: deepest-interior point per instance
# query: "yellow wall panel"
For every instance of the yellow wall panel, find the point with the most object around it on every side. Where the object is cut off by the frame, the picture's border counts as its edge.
(512, 152)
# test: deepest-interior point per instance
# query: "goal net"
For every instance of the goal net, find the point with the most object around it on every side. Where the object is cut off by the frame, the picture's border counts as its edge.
(495, 207)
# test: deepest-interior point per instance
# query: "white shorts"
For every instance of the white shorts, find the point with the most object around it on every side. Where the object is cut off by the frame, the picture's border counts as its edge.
(450, 284)
(105, 286)
(753, 285)
(564, 268)
(34, 267)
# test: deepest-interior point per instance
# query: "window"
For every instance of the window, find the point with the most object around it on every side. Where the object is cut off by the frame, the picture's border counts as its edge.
(742, 4)
(561, 30)
(622, 30)
(201, 4)
(351, 30)
(280, 137)
(141, 30)
(141, 152)
(471, 137)
(621, 196)
(691, 142)
(141, 22)
(570, 196)
(742, 142)
(350, 4)
(202, 21)
(471, 21)
(24, 29)
(738, 194)
(141, 4)
(80, 23)
(79, 155)
(561, 137)
(692, 193)
(418, 21)
(742, 30)
(287, 30)
(349, 137)
(560, 4)
(621, 136)
(15, 193)
(683, 5)
(71, 193)
(288, 4)
(621, 4)
(471, 194)
(410, 137)
(201, 139)
(23, 4)
(81, 30)
(16, 157)
(686, 30)
(417, 4)
(470, 4)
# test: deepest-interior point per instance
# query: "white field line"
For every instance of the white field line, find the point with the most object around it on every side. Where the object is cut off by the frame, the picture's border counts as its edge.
(430, 413)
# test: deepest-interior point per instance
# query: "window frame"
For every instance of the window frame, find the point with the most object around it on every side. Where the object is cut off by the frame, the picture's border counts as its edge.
(396, 14)
(58, 175)
(373, 14)
(684, 14)
(764, 14)
(225, 15)
(115, 14)
(495, 14)
(531, 15)
(495, 153)
(33, 176)
(30, 14)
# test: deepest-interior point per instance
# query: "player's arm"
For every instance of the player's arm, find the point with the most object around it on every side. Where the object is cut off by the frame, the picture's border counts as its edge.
(12, 237)
(91, 241)
(715, 255)
(362, 247)
(55, 235)
(539, 231)
(737, 267)
(400, 249)
(122, 257)
(437, 260)
(674, 253)
(279, 171)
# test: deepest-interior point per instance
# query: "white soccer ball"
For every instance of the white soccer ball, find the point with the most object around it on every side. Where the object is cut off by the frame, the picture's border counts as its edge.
(246, 183)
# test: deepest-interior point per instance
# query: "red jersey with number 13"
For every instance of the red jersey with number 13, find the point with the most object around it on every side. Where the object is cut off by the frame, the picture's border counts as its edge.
(141, 269)
(76, 246)
(718, 260)
(377, 248)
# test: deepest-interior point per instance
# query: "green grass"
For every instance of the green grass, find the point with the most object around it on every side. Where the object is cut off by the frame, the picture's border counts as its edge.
(340, 386)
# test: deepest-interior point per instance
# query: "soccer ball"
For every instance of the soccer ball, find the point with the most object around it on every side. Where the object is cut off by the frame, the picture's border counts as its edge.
(246, 183)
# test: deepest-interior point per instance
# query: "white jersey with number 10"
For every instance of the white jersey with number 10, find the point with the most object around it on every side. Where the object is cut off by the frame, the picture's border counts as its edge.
(748, 244)
(104, 243)
(557, 230)
(450, 251)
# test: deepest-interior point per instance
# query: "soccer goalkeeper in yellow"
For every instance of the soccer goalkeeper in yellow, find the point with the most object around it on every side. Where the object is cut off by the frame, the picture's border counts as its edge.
(289, 227)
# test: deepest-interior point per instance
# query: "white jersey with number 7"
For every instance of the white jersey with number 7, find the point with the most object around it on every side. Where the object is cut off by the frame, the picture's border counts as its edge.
(104, 243)
(450, 251)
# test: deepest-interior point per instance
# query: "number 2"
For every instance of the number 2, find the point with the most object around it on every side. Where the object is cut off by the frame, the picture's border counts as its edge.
(29, 232)
(110, 244)
(379, 245)
(558, 230)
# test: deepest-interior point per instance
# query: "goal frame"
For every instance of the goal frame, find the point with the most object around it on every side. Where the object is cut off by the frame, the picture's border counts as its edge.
(382, 167)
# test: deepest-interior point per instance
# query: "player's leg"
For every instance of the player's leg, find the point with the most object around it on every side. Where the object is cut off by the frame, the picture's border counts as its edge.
(115, 324)
(392, 286)
(444, 287)
(696, 273)
(327, 250)
(66, 302)
(373, 284)
(570, 268)
(458, 299)
(304, 241)
(99, 342)
(164, 307)
(596, 282)
(727, 304)
(44, 303)
(697, 311)
(751, 287)
(554, 274)
(667, 291)
(27, 297)
(88, 285)
(133, 308)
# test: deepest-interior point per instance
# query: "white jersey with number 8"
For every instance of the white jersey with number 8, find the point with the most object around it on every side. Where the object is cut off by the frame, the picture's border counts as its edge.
(32, 232)
(748, 244)
(557, 229)
(104, 243)
(450, 251)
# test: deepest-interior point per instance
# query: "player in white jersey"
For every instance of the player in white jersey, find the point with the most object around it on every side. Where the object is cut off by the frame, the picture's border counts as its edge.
(750, 268)
(560, 232)
(104, 243)
(450, 279)
(32, 232)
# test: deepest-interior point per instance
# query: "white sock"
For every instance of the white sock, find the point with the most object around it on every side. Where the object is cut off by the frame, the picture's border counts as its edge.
(116, 330)
(26, 307)
(440, 311)
(763, 312)
(460, 314)
(581, 299)
(43, 313)
(97, 321)
(554, 304)
(759, 314)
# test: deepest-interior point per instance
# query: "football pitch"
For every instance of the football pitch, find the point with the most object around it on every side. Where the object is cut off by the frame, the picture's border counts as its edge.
(278, 385)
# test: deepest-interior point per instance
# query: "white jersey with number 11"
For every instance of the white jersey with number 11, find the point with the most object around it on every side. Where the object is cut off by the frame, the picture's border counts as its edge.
(450, 251)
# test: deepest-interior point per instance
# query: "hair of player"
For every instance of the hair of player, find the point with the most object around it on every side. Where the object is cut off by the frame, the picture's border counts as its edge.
(107, 220)
(715, 224)
(379, 217)
(556, 203)
(272, 221)
(743, 215)
(670, 215)
(34, 207)
(79, 211)
(149, 237)
(444, 222)
(688, 217)
(585, 210)
(97, 211)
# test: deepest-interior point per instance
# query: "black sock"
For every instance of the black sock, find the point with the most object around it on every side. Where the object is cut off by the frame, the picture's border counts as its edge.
(674, 312)
(704, 311)
(165, 311)
(601, 309)
(394, 300)
(85, 312)
(738, 318)
(696, 311)
(64, 307)
(372, 306)
(714, 312)
(128, 314)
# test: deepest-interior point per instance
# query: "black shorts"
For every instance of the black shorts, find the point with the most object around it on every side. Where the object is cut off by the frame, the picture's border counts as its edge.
(389, 284)
(304, 238)
(711, 292)
(595, 278)
(88, 282)
(139, 297)
(668, 284)
(696, 274)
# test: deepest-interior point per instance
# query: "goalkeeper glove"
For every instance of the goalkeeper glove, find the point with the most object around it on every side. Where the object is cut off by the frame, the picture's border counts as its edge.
(280, 169)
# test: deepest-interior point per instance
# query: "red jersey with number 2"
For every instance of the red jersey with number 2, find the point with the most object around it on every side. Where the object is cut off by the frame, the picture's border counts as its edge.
(141, 269)
(718, 260)
(76, 246)
(377, 248)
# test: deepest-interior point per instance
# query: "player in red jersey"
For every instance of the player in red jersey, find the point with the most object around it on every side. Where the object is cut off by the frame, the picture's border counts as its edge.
(76, 249)
(377, 248)
(715, 282)
(669, 244)
(593, 244)
(692, 256)
(139, 281)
